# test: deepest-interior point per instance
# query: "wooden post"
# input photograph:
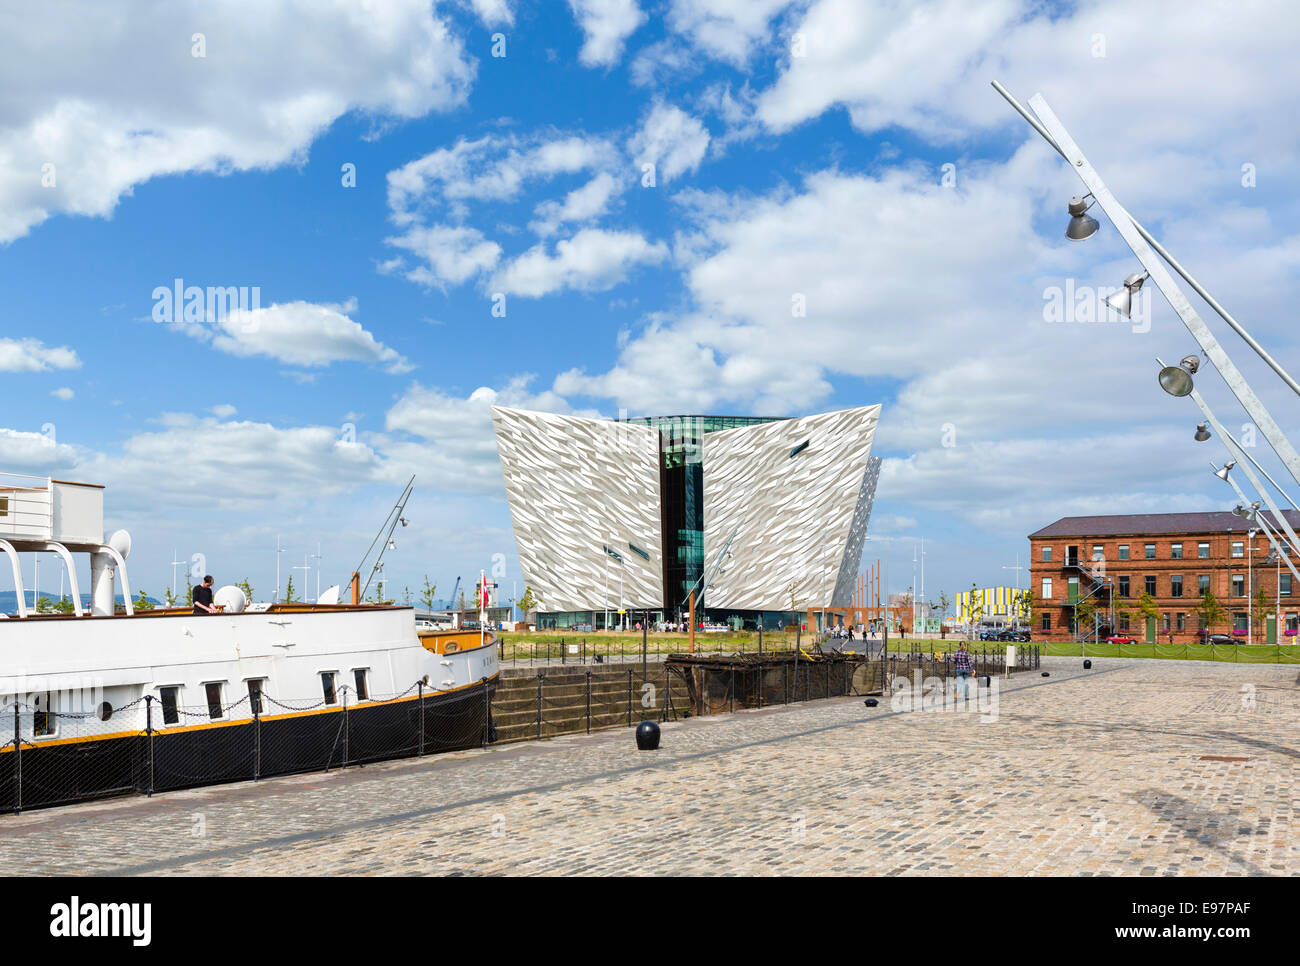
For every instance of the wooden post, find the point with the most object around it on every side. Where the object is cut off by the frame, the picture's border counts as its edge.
(692, 633)
(356, 589)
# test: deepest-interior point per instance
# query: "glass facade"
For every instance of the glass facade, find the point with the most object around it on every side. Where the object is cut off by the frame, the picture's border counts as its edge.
(682, 467)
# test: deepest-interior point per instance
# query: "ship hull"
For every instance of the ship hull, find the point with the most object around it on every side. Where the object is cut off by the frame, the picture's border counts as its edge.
(246, 750)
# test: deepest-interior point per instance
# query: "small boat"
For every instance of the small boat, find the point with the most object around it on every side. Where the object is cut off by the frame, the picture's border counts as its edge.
(98, 702)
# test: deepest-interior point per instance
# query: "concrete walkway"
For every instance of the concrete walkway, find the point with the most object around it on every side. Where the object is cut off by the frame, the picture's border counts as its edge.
(1132, 768)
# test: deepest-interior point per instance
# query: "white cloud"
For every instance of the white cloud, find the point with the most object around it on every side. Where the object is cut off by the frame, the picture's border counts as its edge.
(606, 25)
(494, 13)
(670, 139)
(63, 393)
(451, 254)
(299, 333)
(488, 169)
(579, 205)
(35, 452)
(33, 355)
(592, 260)
(448, 440)
(727, 30)
(112, 96)
(223, 410)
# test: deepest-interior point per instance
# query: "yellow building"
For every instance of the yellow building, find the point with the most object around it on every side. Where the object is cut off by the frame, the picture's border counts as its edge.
(991, 601)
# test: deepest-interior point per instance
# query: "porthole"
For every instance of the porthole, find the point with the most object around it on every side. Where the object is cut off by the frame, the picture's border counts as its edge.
(104, 711)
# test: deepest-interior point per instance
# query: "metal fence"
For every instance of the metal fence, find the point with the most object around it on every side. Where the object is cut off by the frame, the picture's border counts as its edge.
(55, 758)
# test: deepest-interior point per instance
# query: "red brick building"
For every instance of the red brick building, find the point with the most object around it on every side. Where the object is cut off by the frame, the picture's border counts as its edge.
(1109, 561)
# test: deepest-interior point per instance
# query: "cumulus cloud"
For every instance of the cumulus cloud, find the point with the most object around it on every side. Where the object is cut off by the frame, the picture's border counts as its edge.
(63, 393)
(606, 25)
(299, 333)
(113, 96)
(727, 30)
(670, 139)
(33, 355)
(592, 260)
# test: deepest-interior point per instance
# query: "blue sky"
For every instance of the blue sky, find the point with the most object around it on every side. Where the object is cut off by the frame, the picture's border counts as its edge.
(798, 150)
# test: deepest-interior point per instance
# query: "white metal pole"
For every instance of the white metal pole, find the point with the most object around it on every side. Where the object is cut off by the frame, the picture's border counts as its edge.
(1250, 586)
(1160, 250)
(1163, 280)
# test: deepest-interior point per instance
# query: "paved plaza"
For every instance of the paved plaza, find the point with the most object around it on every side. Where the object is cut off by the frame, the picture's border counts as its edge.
(1132, 768)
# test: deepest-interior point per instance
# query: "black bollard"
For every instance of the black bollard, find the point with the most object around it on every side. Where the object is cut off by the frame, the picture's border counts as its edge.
(871, 702)
(1046, 675)
(647, 736)
(1087, 665)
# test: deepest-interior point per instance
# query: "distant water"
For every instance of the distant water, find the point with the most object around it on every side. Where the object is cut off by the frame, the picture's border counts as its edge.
(9, 599)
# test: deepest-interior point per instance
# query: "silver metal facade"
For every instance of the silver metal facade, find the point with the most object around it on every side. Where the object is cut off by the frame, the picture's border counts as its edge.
(798, 522)
(575, 487)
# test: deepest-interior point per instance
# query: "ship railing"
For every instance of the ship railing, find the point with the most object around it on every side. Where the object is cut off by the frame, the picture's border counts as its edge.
(26, 506)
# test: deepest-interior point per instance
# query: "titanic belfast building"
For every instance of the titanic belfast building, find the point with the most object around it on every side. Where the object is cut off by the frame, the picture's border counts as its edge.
(762, 518)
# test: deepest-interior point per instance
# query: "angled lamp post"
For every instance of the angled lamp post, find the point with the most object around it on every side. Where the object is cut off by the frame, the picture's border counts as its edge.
(1147, 248)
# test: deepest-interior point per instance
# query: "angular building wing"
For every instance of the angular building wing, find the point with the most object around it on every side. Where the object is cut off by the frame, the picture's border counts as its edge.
(584, 502)
(786, 506)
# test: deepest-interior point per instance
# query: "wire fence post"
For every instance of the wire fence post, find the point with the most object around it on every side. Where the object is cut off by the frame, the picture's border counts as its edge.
(420, 692)
(539, 705)
(257, 740)
(731, 688)
(148, 730)
(487, 711)
(18, 759)
(668, 693)
(588, 702)
(347, 726)
(629, 695)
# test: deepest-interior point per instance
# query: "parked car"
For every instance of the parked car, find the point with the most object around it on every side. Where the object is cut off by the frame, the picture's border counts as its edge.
(1121, 639)
(1222, 639)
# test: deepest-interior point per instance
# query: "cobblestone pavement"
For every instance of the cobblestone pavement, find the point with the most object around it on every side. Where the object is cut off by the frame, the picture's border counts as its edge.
(1132, 768)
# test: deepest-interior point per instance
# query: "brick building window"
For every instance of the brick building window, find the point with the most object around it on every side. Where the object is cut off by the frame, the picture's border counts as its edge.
(1238, 585)
(1047, 588)
(1123, 622)
(1203, 551)
(1047, 622)
(1239, 622)
(1284, 588)
(1150, 551)
(1123, 587)
(1098, 552)
(1182, 622)
(1123, 551)
(1202, 583)
(1176, 551)
(1150, 585)
(1176, 585)
(1166, 623)
(1047, 554)
(1238, 548)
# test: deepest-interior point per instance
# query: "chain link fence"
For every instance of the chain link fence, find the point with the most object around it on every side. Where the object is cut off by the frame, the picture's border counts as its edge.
(56, 758)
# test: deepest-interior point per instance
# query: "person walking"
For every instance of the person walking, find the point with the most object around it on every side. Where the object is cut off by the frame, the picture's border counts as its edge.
(964, 665)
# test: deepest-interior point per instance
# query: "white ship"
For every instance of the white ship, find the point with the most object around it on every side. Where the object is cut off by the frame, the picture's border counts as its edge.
(102, 702)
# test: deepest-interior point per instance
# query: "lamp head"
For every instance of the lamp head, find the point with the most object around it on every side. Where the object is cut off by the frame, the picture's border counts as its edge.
(1227, 468)
(1081, 225)
(1202, 434)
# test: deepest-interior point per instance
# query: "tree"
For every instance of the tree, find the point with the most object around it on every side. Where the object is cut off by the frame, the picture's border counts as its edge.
(1147, 606)
(462, 600)
(427, 592)
(142, 602)
(169, 597)
(528, 601)
(247, 588)
(1210, 611)
(1260, 612)
(944, 602)
(1085, 616)
(64, 606)
(406, 596)
(289, 592)
(44, 605)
